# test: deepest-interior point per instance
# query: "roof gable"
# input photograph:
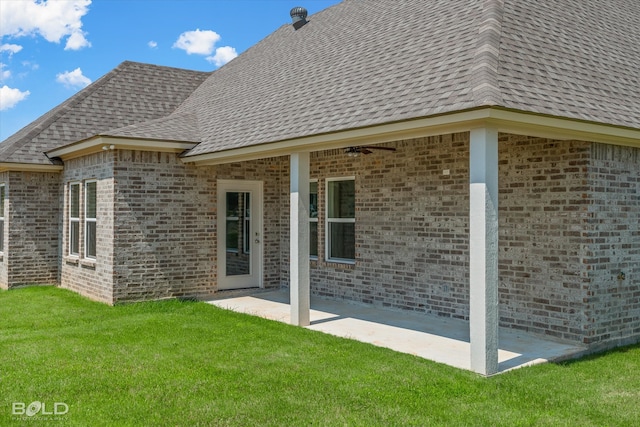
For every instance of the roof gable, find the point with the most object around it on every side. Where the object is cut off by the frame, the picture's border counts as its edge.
(131, 93)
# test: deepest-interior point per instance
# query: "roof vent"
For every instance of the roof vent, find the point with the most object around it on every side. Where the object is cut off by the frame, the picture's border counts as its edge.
(298, 16)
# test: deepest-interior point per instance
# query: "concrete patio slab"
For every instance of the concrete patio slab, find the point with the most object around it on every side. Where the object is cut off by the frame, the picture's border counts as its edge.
(439, 339)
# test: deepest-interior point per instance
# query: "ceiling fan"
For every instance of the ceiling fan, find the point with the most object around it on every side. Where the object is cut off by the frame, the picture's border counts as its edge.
(355, 151)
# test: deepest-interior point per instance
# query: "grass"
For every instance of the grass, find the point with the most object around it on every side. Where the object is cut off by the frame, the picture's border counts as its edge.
(188, 363)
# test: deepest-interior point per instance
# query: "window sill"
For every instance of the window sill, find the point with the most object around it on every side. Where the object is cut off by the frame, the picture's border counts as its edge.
(71, 259)
(88, 263)
(76, 260)
(342, 261)
(340, 264)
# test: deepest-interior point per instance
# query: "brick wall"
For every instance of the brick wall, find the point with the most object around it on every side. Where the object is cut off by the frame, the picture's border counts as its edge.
(164, 244)
(32, 220)
(568, 228)
(543, 207)
(612, 230)
(412, 232)
(4, 260)
(411, 226)
(91, 278)
(274, 173)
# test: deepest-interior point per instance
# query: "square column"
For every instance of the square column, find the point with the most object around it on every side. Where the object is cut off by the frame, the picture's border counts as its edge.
(483, 250)
(299, 240)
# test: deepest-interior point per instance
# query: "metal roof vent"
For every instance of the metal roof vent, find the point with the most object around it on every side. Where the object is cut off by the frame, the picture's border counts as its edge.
(298, 16)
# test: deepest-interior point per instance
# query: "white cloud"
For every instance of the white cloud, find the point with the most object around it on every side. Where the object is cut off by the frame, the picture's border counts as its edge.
(9, 97)
(51, 19)
(198, 42)
(31, 65)
(11, 48)
(152, 44)
(4, 74)
(77, 41)
(223, 55)
(73, 79)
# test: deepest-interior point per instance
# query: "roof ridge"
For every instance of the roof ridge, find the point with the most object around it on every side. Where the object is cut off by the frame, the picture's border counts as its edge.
(484, 83)
(54, 115)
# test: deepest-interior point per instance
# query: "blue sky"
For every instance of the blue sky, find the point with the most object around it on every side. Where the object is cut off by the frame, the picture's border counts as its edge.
(52, 49)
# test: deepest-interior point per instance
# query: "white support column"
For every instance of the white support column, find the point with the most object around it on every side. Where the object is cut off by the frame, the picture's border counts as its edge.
(483, 249)
(299, 240)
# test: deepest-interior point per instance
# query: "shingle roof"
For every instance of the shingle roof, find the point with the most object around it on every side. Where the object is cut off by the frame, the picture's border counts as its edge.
(366, 62)
(130, 93)
(369, 62)
(573, 58)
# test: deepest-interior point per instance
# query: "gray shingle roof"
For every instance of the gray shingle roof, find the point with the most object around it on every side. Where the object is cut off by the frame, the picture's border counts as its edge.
(130, 93)
(366, 62)
(369, 62)
(572, 58)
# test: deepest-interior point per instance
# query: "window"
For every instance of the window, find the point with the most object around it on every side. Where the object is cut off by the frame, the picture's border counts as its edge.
(2, 195)
(239, 222)
(313, 219)
(341, 220)
(90, 189)
(74, 219)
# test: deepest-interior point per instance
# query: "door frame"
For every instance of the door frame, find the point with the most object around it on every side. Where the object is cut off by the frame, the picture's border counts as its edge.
(255, 278)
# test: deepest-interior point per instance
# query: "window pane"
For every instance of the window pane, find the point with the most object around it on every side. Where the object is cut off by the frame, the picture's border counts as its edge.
(313, 239)
(233, 205)
(2, 201)
(91, 199)
(74, 201)
(313, 200)
(343, 238)
(1, 235)
(91, 239)
(232, 235)
(342, 199)
(74, 238)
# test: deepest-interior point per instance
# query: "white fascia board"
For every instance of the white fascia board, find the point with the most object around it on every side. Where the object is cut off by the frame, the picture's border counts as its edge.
(100, 143)
(459, 122)
(564, 129)
(506, 121)
(29, 167)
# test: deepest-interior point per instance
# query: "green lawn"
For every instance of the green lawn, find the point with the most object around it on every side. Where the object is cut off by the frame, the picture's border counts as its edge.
(189, 363)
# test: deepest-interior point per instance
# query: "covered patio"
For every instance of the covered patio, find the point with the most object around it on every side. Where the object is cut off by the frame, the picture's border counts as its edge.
(442, 340)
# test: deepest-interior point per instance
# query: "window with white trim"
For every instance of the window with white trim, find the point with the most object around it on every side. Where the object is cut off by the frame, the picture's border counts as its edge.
(341, 220)
(74, 218)
(90, 207)
(2, 197)
(313, 219)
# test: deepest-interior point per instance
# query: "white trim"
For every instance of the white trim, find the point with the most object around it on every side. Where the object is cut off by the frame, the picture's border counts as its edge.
(311, 219)
(88, 220)
(73, 219)
(107, 143)
(506, 121)
(29, 167)
(327, 220)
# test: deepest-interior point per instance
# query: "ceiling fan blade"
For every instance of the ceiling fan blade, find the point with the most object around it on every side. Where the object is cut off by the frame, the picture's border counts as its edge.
(373, 147)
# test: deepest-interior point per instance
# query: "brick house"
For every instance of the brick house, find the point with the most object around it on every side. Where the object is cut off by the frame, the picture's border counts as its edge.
(476, 160)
